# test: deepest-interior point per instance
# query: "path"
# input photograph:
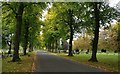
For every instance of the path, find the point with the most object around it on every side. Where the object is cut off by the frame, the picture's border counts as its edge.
(46, 62)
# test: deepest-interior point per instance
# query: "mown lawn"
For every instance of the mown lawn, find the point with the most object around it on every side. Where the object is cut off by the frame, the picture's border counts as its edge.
(25, 65)
(108, 62)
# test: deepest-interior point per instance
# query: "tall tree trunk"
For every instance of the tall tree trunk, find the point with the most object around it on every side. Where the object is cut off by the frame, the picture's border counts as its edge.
(18, 32)
(71, 32)
(56, 44)
(52, 46)
(118, 39)
(48, 46)
(70, 42)
(96, 34)
(26, 37)
(31, 47)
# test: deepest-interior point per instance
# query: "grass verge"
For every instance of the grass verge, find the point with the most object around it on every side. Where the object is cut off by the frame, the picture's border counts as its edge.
(108, 62)
(22, 66)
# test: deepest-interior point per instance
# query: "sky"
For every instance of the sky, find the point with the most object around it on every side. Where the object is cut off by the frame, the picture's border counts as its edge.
(113, 2)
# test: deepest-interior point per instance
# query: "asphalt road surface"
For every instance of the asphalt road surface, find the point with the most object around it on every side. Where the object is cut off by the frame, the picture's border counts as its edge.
(46, 62)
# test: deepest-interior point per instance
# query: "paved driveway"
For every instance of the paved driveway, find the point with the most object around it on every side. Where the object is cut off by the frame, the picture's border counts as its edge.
(46, 62)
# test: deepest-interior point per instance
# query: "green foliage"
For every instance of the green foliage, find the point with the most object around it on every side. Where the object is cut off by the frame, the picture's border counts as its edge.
(9, 11)
(31, 19)
(8, 24)
(83, 19)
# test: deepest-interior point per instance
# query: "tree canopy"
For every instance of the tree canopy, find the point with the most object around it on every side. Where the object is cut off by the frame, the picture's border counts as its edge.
(22, 26)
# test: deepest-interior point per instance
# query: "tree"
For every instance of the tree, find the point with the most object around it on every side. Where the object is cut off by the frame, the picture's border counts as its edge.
(17, 9)
(53, 30)
(96, 33)
(70, 12)
(82, 43)
(18, 32)
(118, 36)
(108, 38)
(31, 26)
(8, 21)
(26, 33)
(103, 14)
(70, 18)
